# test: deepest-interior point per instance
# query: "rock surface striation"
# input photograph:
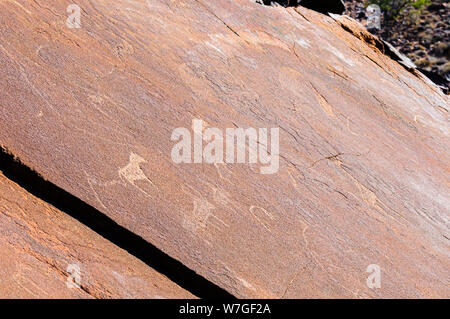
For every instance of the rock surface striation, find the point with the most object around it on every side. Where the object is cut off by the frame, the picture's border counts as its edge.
(363, 176)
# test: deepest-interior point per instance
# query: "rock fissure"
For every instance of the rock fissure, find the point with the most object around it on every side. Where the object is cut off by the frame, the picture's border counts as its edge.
(14, 169)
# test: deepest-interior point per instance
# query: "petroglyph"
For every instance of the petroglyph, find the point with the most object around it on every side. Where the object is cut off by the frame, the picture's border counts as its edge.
(224, 172)
(369, 196)
(202, 215)
(220, 196)
(133, 172)
(92, 181)
(262, 216)
(97, 197)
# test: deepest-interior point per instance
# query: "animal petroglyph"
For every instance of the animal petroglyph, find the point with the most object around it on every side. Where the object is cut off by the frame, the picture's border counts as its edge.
(202, 214)
(202, 217)
(131, 173)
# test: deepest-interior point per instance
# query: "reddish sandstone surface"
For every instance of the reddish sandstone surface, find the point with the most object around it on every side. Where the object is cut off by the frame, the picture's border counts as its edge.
(40, 247)
(364, 143)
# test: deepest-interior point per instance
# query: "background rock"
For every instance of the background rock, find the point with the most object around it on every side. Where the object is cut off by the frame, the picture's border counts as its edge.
(424, 38)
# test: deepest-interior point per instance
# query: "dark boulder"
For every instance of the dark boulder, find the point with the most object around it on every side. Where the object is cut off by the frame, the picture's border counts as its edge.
(324, 6)
(436, 7)
(439, 80)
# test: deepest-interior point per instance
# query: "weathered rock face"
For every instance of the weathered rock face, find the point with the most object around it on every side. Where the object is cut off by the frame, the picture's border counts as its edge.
(46, 254)
(364, 144)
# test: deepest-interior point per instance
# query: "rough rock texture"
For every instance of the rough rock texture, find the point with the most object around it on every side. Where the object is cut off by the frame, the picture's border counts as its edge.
(39, 242)
(364, 144)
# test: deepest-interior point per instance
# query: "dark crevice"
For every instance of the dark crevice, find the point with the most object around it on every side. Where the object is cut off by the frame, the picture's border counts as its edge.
(35, 184)
(322, 6)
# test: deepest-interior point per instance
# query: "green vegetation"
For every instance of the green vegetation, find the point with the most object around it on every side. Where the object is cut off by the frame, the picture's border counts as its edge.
(394, 8)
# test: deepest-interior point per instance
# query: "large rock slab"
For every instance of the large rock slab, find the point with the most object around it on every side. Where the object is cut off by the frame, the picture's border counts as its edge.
(46, 254)
(364, 143)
